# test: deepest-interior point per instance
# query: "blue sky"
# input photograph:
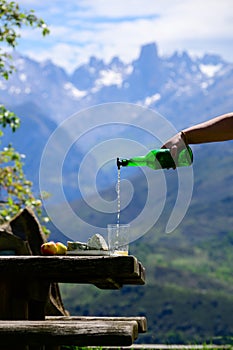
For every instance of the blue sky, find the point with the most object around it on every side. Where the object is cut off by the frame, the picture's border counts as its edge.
(108, 28)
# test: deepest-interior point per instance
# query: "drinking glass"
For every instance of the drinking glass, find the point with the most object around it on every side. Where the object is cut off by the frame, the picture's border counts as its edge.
(118, 239)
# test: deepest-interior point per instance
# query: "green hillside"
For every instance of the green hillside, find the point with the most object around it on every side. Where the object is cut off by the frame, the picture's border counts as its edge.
(188, 296)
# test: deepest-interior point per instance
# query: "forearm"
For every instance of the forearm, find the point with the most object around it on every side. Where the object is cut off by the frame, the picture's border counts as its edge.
(214, 130)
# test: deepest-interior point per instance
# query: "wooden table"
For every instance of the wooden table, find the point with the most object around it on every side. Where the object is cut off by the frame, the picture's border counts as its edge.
(102, 271)
(38, 272)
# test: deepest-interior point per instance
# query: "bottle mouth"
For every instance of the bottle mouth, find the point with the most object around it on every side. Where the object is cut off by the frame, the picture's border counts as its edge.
(123, 162)
(119, 163)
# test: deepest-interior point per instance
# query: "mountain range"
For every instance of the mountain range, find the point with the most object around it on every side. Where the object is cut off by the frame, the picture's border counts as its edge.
(183, 89)
(171, 85)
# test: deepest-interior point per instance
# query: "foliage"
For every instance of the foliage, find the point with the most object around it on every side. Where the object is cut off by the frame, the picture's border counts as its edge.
(8, 118)
(15, 189)
(13, 18)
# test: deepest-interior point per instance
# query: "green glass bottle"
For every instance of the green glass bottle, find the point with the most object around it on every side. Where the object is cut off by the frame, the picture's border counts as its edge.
(159, 159)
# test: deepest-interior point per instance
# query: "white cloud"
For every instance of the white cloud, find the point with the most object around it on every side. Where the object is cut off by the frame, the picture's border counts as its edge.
(63, 55)
(80, 29)
(200, 19)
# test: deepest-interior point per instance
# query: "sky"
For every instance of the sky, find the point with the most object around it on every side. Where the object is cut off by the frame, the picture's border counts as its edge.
(107, 28)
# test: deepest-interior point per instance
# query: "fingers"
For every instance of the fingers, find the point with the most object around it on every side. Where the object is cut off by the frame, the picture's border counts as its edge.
(173, 151)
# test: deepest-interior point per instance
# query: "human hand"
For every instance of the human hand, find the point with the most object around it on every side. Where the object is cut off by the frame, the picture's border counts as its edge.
(175, 144)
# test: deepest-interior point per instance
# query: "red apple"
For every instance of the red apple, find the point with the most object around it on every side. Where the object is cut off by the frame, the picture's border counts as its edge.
(49, 248)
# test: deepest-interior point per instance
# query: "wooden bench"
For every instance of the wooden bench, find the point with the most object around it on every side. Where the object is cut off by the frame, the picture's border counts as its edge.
(27, 274)
(79, 331)
(141, 320)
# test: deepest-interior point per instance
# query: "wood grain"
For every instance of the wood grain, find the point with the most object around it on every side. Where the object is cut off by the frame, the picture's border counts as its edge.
(141, 320)
(80, 333)
(102, 271)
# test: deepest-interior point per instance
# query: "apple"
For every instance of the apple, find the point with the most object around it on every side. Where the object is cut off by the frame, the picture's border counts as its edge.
(61, 248)
(49, 248)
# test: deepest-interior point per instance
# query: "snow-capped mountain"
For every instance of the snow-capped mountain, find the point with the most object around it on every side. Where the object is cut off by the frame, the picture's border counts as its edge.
(183, 89)
(172, 85)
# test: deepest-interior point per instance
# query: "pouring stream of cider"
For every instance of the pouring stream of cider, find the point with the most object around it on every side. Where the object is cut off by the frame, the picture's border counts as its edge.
(118, 200)
(118, 196)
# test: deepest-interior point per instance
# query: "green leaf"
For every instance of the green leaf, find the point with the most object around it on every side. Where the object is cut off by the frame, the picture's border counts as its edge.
(15, 189)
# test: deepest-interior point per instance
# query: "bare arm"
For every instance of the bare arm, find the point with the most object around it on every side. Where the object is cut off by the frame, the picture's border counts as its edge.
(214, 130)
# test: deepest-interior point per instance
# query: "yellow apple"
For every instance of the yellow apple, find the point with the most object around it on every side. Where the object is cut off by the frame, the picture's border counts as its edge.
(49, 248)
(61, 248)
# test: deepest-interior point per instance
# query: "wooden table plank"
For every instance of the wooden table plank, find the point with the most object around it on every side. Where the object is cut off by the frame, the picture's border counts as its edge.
(141, 320)
(102, 271)
(80, 333)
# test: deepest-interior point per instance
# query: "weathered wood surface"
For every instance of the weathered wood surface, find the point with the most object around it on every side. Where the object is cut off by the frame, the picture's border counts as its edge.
(102, 271)
(21, 298)
(80, 333)
(141, 320)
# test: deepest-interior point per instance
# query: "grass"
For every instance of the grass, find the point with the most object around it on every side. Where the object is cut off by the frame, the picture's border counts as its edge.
(156, 347)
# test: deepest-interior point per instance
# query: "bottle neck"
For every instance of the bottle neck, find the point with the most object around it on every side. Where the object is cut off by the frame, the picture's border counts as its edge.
(122, 162)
